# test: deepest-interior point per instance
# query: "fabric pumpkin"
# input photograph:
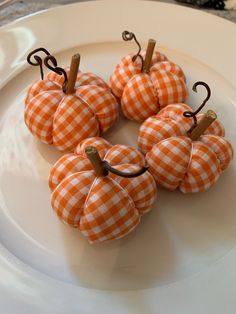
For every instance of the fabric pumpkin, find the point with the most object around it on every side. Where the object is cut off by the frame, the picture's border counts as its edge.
(63, 119)
(144, 90)
(107, 206)
(175, 160)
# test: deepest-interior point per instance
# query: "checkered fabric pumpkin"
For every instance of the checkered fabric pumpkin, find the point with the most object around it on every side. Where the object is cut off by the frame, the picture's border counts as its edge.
(144, 90)
(61, 119)
(107, 206)
(175, 160)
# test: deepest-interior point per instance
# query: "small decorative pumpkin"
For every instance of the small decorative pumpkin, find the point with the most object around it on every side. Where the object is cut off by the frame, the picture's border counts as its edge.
(182, 155)
(147, 82)
(102, 194)
(68, 105)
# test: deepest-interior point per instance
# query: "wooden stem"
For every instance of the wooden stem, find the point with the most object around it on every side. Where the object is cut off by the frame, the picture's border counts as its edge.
(74, 68)
(96, 161)
(203, 124)
(148, 57)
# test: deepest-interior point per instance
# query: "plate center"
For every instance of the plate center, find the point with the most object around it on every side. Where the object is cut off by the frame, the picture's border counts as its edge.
(181, 236)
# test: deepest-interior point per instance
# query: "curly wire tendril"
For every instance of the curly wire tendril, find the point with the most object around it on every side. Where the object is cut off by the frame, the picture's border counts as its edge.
(113, 170)
(102, 167)
(53, 67)
(38, 60)
(128, 36)
(192, 114)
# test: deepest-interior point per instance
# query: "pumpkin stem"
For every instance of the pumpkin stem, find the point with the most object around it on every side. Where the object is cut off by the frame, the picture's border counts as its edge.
(38, 60)
(74, 68)
(204, 123)
(126, 35)
(102, 167)
(96, 161)
(148, 57)
(192, 114)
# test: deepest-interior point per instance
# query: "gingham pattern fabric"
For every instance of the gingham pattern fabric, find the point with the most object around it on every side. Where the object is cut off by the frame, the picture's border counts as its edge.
(69, 196)
(139, 100)
(83, 78)
(143, 95)
(65, 166)
(39, 114)
(155, 129)
(175, 112)
(169, 82)
(99, 143)
(104, 208)
(169, 122)
(122, 154)
(192, 167)
(176, 161)
(203, 169)
(96, 98)
(41, 86)
(77, 161)
(142, 192)
(168, 161)
(64, 120)
(109, 212)
(126, 69)
(91, 79)
(73, 121)
(221, 147)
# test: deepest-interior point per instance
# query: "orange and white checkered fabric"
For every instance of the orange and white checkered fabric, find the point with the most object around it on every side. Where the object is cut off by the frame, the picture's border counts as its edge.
(169, 122)
(143, 95)
(102, 208)
(174, 159)
(64, 120)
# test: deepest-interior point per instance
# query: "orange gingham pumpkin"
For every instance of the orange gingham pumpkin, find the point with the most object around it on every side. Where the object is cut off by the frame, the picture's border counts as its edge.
(144, 92)
(107, 207)
(174, 159)
(63, 120)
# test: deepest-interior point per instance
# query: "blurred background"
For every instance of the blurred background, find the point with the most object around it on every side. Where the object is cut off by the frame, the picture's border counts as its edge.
(13, 9)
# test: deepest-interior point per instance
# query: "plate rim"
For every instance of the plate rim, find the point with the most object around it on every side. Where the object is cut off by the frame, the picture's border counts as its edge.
(225, 70)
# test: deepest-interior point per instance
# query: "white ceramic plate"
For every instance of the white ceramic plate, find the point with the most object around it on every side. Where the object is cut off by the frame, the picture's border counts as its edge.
(181, 259)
